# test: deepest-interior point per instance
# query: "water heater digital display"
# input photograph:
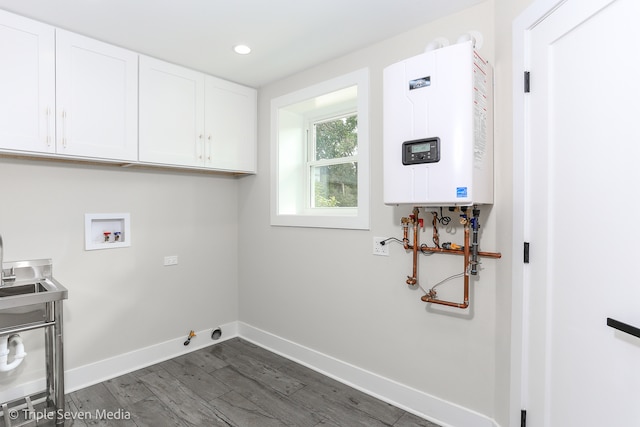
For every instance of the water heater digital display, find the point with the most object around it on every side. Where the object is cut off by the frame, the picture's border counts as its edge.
(438, 129)
(421, 151)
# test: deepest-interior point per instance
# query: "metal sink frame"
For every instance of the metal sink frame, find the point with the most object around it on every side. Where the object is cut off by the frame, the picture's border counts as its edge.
(30, 298)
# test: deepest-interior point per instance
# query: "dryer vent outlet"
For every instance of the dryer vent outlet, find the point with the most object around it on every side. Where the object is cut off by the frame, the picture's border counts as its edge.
(216, 334)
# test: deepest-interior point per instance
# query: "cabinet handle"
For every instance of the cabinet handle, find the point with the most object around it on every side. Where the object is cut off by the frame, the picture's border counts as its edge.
(200, 148)
(64, 129)
(48, 127)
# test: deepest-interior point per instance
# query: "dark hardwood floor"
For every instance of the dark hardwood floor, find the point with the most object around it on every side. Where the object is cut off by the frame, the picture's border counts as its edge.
(233, 383)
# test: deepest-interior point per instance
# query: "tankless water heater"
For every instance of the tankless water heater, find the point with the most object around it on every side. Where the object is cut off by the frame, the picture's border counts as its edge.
(438, 129)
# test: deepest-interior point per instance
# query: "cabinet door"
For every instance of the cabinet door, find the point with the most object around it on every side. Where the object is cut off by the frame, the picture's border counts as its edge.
(230, 124)
(171, 114)
(27, 85)
(97, 98)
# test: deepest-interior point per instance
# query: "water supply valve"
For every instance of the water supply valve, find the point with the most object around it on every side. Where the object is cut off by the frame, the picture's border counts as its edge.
(106, 235)
(452, 246)
(420, 220)
(191, 335)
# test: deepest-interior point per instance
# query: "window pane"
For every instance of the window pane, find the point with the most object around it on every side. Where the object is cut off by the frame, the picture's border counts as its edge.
(335, 186)
(336, 138)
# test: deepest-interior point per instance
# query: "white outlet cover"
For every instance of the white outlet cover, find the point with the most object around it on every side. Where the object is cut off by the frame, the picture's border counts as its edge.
(379, 249)
(171, 260)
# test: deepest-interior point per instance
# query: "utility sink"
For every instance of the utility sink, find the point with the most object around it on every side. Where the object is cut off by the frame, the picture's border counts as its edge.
(28, 286)
(31, 288)
(30, 298)
(16, 295)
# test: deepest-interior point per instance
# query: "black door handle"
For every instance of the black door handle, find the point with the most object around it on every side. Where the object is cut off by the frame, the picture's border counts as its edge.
(631, 330)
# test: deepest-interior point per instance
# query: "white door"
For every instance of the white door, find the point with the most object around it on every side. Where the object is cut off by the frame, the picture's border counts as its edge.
(97, 98)
(581, 216)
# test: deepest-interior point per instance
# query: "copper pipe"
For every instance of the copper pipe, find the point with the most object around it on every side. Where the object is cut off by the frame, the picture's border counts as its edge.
(460, 252)
(448, 303)
(465, 304)
(412, 280)
(434, 223)
(405, 232)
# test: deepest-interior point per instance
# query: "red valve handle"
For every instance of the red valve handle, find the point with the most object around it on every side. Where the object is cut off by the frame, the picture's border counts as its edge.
(420, 220)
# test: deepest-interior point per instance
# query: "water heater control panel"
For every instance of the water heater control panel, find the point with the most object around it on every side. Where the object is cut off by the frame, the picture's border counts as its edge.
(421, 151)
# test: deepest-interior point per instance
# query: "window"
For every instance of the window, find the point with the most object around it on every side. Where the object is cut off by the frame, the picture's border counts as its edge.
(333, 167)
(320, 155)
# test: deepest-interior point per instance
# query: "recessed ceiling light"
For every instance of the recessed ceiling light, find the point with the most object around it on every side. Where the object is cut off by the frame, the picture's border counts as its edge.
(242, 49)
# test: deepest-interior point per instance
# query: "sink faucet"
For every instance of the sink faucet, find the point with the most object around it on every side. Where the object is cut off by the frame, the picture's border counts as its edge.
(4, 278)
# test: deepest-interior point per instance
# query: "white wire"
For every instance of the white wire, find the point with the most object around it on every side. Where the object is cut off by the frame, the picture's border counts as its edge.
(455, 276)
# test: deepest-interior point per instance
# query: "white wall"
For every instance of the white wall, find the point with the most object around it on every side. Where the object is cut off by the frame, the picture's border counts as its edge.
(123, 300)
(325, 290)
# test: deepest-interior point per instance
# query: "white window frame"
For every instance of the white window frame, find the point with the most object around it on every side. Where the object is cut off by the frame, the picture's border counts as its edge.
(290, 181)
(312, 162)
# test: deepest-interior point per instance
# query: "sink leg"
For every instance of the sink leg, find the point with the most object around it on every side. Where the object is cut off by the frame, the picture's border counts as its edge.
(58, 358)
(49, 342)
(54, 360)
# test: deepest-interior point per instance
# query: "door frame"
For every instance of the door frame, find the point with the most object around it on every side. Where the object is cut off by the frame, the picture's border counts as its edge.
(521, 31)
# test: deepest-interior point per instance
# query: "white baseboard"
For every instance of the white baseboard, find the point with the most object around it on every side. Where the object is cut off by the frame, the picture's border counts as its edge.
(84, 376)
(93, 373)
(439, 411)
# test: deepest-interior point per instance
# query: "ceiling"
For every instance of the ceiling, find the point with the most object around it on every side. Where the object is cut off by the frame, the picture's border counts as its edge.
(286, 36)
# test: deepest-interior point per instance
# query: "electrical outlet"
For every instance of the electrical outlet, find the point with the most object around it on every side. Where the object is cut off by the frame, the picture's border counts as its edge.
(171, 260)
(380, 248)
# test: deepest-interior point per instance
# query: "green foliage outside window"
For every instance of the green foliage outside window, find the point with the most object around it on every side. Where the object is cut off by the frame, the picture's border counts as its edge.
(336, 143)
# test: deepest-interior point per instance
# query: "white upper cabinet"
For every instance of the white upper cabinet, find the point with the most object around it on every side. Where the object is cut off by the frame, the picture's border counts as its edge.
(61, 93)
(171, 114)
(192, 119)
(68, 96)
(230, 126)
(27, 85)
(96, 100)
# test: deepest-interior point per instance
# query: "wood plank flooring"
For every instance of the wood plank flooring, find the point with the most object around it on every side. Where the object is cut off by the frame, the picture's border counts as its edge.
(233, 383)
